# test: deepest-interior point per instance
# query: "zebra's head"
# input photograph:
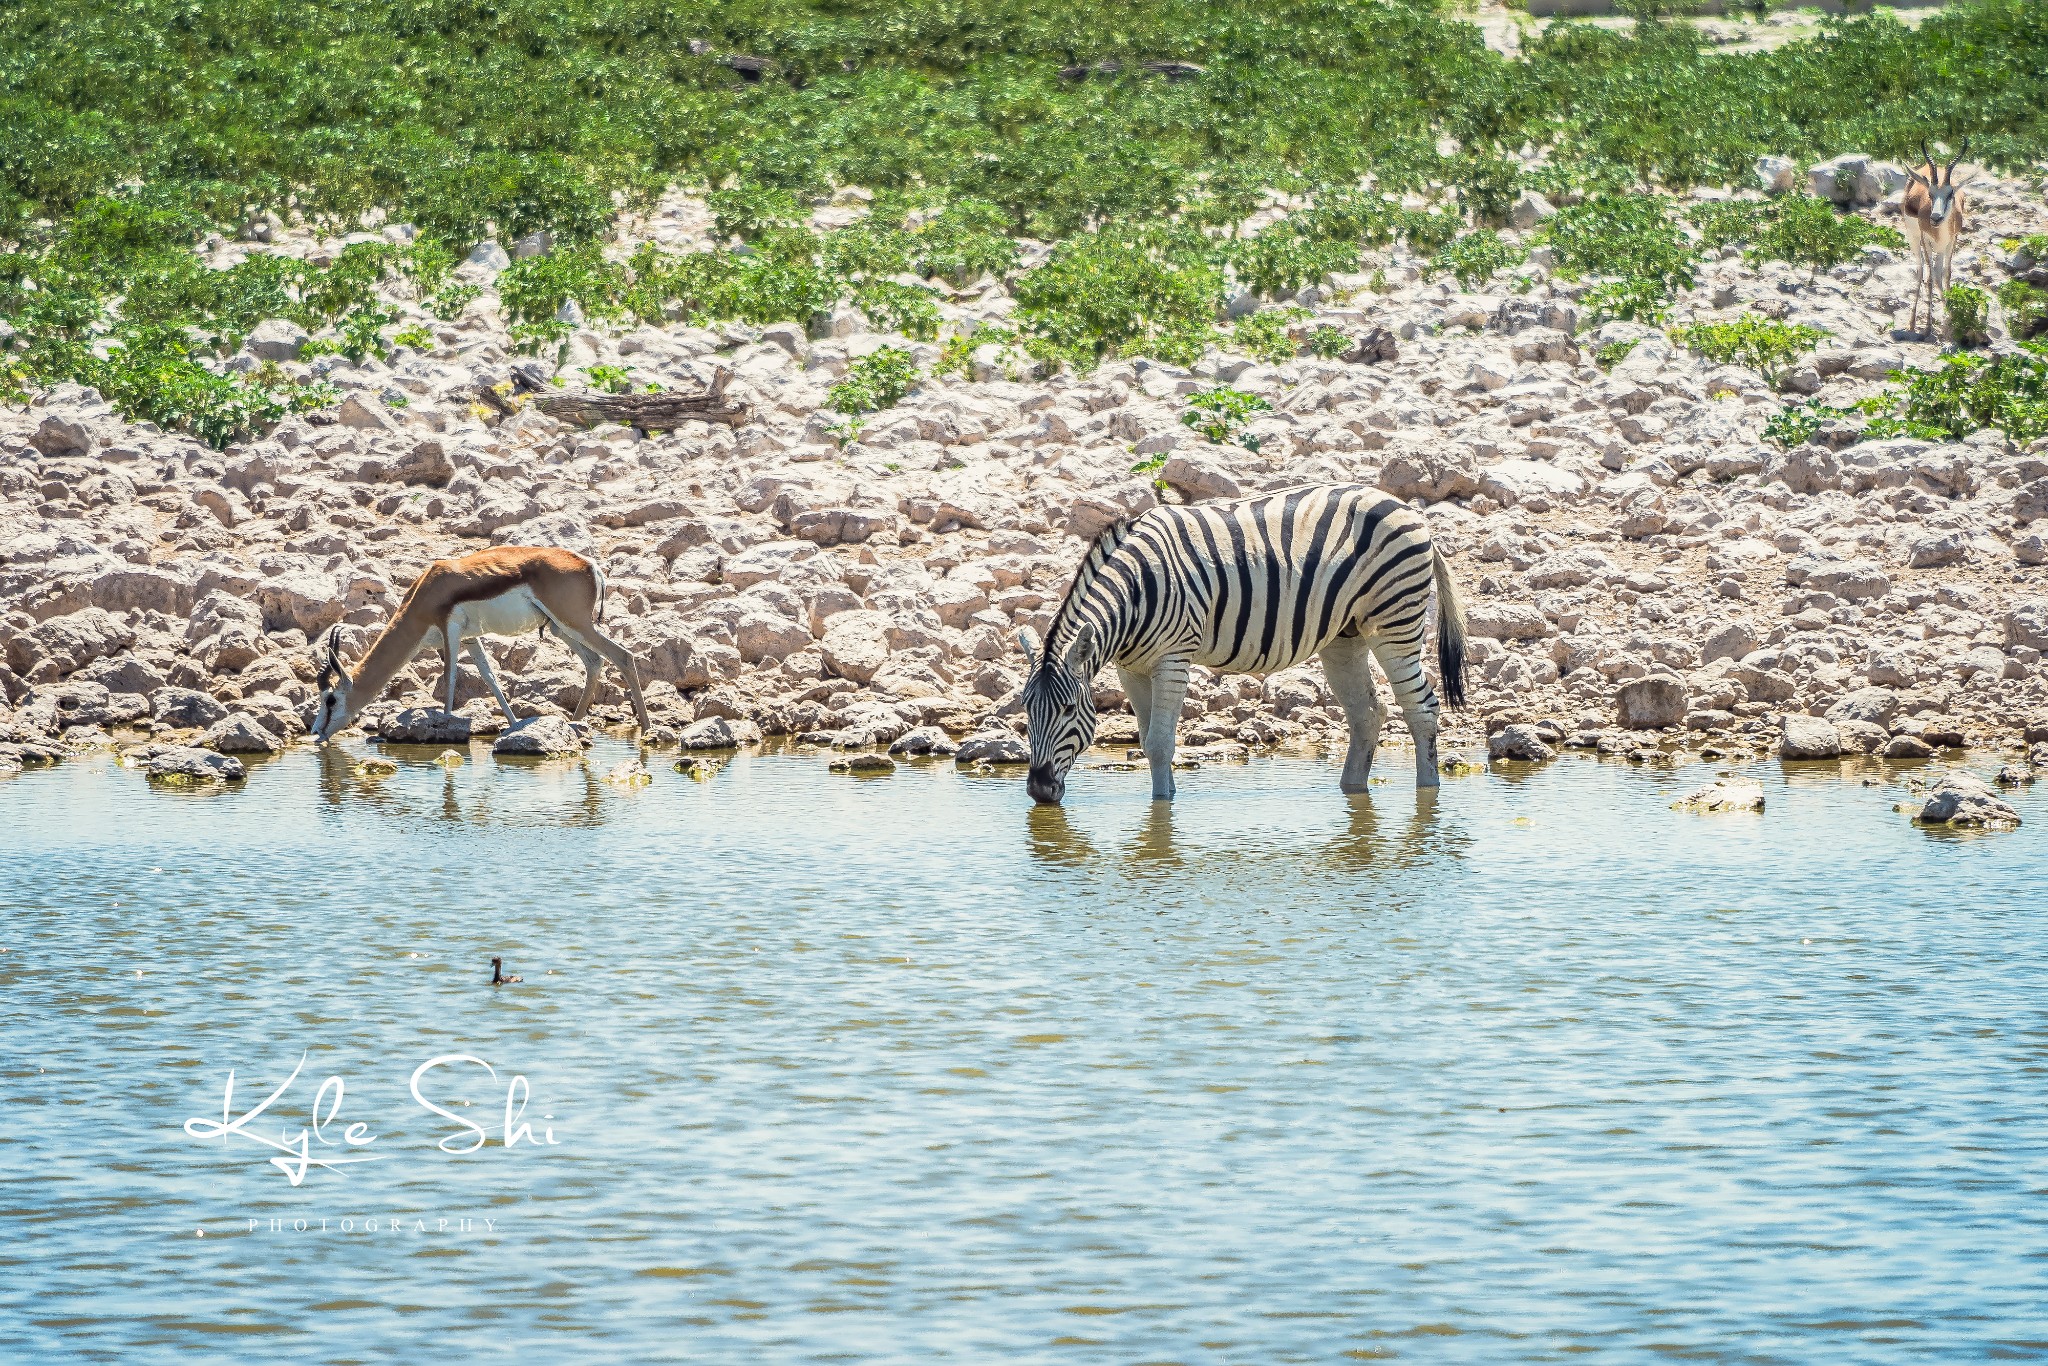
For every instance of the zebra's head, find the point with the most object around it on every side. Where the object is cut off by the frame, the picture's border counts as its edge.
(1059, 702)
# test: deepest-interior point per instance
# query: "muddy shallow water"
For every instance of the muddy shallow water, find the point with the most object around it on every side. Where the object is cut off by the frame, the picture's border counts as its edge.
(895, 1068)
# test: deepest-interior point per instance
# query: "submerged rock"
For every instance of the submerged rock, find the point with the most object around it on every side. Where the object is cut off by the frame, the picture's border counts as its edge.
(719, 732)
(1727, 793)
(239, 734)
(1961, 799)
(185, 764)
(925, 740)
(374, 767)
(542, 735)
(864, 763)
(632, 773)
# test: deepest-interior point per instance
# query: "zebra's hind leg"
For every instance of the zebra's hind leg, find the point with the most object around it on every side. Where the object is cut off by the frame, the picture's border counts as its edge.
(1138, 687)
(1169, 690)
(1350, 675)
(1402, 662)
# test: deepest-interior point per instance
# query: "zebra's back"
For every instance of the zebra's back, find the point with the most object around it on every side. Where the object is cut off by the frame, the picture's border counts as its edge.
(1263, 583)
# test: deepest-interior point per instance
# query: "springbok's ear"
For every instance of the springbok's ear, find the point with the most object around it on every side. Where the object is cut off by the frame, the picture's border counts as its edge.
(1029, 644)
(1916, 178)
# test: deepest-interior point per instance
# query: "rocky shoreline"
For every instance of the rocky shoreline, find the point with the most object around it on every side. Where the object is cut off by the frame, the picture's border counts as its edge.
(1643, 570)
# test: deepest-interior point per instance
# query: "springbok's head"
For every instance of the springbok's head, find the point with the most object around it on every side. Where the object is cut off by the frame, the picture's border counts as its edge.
(334, 710)
(1939, 181)
(1059, 704)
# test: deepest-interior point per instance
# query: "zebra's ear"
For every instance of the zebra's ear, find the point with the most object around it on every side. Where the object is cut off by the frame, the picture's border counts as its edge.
(1082, 649)
(1029, 643)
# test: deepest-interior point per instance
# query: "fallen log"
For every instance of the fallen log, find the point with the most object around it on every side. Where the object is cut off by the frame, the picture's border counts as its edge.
(649, 412)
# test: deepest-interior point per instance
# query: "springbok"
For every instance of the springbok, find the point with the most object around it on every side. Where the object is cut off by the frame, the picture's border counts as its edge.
(503, 592)
(1933, 208)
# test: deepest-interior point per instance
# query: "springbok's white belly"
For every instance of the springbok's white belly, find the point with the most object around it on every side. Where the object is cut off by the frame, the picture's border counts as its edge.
(509, 614)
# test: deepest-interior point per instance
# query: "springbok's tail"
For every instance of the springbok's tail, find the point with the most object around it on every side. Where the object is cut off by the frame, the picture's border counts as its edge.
(1450, 630)
(600, 591)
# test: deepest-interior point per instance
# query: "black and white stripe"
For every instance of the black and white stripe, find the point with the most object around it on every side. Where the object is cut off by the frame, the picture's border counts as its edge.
(1254, 586)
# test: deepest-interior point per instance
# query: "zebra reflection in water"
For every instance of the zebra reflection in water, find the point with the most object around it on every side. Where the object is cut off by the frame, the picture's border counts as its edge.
(1252, 586)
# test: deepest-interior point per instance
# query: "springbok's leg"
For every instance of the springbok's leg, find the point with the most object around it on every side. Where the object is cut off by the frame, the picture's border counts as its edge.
(593, 674)
(1138, 687)
(1403, 666)
(1919, 283)
(482, 660)
(590, 641)
(1345, 666)
(451, 645)
(1169, 690)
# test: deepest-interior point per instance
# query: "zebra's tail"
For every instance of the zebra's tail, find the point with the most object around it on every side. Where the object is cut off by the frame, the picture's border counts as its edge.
(1450, 630)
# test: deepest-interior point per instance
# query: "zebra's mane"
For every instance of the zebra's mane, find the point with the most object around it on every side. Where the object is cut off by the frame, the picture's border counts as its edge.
(1099, 550)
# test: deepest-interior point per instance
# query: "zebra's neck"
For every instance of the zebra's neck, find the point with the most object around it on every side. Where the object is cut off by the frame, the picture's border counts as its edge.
(1103, 605)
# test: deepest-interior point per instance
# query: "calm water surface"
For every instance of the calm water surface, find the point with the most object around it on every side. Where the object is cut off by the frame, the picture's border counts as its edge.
(900, 1068)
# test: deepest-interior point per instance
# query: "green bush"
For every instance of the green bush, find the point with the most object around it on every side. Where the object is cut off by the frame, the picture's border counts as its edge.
(1121, 289)
(2026, 309)
(1635, 243)
(1263, 335)
(534, 290)
(1476, 257)
(876, 381)
(1969, 393)
(900, 308)
(1969, 314)
(1220, 414)
(1327, 343)
(1761, 344)
(1811, 232)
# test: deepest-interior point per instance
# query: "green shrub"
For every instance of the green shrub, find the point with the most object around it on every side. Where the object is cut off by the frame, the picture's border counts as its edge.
(1761, 344)
(908, 309)
(1476, 257)
(1631, 240)
(534, 290)
(1285, 257)
(1611, 354)
(1120, 289)
(1809, 232)
(612, 379)
(1220, 414)
(876, 381)
(1969, 314)
(1969, 393)
(1327, 343)
(1263, 335)
(2026, 308)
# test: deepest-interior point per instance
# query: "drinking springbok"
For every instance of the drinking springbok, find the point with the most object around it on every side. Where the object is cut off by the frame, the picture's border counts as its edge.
(507, 591)
(1933, 209)
(1340, 571)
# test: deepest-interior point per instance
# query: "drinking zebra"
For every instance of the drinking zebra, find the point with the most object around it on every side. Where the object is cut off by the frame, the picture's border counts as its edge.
(1253, 586)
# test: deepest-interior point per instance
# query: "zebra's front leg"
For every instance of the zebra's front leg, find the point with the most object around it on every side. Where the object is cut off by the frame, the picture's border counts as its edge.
(1169, 690)
(1138, 688)
(1350, 677)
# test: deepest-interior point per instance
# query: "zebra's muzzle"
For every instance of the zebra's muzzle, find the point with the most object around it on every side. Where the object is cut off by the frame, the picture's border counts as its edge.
(1045, 789)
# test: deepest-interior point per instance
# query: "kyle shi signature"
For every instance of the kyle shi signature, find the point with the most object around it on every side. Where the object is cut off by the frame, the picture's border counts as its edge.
(295, 1154)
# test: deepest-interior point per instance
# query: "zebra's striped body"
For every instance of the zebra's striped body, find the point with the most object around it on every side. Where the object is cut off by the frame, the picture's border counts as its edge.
(1252, 586)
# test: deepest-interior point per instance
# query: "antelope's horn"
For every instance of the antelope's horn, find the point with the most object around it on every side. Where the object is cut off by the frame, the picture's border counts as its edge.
(1926, 157)
(334, 649)
(1950, 173)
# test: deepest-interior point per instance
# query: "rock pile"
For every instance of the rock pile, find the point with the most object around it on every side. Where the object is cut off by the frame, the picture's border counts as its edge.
(1635, 555)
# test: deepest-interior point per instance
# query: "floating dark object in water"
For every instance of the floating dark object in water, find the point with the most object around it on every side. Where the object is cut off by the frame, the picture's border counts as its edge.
(498, 977)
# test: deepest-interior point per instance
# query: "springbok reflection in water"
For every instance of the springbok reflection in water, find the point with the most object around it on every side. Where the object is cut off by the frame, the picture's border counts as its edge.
(548, 792)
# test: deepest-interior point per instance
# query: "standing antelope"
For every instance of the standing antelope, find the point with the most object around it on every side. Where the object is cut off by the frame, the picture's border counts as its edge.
(1337, 570)
(503, 592)
(1933, 207)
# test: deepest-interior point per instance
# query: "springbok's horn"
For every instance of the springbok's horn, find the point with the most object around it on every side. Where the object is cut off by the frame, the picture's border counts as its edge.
(1926, 157)
(334, 648)
(1950, 173)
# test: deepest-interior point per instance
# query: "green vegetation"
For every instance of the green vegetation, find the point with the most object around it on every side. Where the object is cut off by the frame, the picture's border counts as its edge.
(1220, 414)
(876, 381)
(612, 379)
(1762, 345)
(1796, 229)
(1613, 353)
(1475, 257)
(1263, 335)
(471, 121)
(2026, 309)
(1327, 343)
(1964, 394)
(1969, 314)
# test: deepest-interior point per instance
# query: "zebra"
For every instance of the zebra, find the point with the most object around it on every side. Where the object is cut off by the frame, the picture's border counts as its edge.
(1251, 586)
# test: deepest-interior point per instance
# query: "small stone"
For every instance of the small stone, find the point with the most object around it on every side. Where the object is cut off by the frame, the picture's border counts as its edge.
(364, 413)
(718, 732)
(1908, 747)
(374, 767)
(1961, 799)
(1519, 742)
(2014, 775)
(993, 747)
(1459, 766)
(1807, 737)
(632, 773)
(184, 765)
(697, 767)
(870, 763)
(1652, 703)
(185, 708)
(58, 437)
(450, 758)
(540, 735)
(925, 740)
(276, 339)
(239, 734)
(425, 726)
(1727, 793)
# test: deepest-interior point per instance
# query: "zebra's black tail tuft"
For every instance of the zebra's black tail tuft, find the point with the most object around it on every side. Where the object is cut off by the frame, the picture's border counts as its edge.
(1450, 630)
